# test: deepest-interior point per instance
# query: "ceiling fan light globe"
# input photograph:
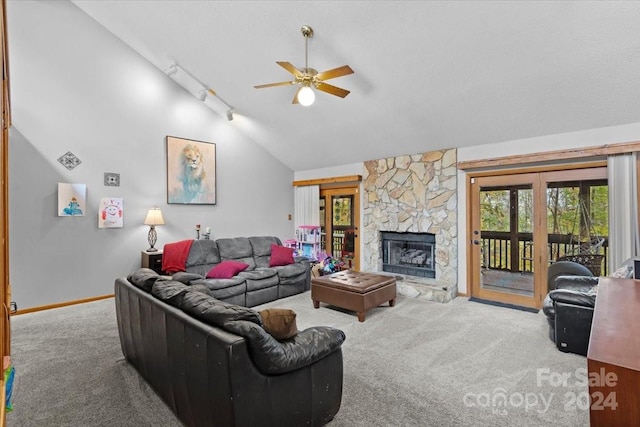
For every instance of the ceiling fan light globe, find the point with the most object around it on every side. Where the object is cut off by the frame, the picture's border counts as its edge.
(306, 96)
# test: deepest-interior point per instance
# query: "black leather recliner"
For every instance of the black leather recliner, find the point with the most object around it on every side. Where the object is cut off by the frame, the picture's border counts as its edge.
(570, 304)
(569, 310)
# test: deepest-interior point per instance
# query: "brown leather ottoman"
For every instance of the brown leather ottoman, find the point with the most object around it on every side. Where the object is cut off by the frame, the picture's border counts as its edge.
(354, 290)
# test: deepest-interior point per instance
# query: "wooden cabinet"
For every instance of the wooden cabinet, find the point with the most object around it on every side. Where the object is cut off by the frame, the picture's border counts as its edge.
(613, 358)
(152, 260)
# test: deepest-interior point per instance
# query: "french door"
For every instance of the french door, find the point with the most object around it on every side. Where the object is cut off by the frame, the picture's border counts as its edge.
(521, 223)
(504, 235)
(339, 219)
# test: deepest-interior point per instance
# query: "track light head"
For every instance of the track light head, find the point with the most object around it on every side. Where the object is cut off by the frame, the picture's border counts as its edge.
(202, 95)
(173, 68)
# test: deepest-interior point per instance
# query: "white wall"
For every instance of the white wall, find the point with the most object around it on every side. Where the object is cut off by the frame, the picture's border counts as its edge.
(75, 87)
(588, 138)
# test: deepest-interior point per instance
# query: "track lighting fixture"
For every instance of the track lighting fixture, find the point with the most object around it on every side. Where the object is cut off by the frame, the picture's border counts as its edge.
(199, 89)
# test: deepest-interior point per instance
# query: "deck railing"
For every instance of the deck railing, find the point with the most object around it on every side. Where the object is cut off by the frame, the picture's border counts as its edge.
(336, 244)
(497, 250)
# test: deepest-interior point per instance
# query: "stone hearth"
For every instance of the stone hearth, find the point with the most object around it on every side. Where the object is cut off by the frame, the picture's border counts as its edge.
(414, 287)
(416, 193)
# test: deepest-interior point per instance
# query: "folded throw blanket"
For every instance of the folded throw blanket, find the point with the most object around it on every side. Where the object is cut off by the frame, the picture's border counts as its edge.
(175, 256)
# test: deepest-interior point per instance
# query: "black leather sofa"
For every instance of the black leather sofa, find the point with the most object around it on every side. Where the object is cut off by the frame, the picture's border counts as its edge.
(213, 364)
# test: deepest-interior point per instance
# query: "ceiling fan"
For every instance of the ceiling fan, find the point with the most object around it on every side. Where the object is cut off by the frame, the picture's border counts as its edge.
(309, 77)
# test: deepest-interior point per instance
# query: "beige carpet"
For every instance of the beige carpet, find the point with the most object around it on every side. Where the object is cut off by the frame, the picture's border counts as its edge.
(416, 364)
(424, 363)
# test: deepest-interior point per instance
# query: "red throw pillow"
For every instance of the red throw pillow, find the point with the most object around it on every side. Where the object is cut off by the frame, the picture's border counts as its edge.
(226, 269)
(280, 255)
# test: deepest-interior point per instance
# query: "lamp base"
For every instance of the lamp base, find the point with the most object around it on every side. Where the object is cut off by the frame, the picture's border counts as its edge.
(152, 238)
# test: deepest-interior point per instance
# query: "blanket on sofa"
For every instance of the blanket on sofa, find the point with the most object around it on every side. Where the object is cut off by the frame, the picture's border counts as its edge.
(175, 256)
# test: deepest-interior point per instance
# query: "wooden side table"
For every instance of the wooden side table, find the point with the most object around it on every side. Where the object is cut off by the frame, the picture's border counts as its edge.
(152, 260)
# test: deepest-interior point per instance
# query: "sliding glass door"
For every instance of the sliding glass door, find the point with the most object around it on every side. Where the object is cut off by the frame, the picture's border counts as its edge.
(522, 223)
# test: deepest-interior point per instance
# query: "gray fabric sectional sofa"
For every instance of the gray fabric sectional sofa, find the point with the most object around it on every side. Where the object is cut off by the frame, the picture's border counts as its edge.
(256, 285)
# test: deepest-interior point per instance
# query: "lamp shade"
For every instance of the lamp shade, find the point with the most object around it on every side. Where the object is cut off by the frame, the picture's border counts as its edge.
(154, 217)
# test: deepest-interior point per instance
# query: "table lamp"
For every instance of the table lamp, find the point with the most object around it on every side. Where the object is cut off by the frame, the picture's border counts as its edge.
(154, 217)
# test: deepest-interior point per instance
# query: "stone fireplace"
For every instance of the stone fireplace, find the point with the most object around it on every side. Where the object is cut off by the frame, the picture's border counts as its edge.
(409, 253)
(413, 195)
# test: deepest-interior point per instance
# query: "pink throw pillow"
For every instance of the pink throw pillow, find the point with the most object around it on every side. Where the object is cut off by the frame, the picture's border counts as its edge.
(226, 269)
(280, 255)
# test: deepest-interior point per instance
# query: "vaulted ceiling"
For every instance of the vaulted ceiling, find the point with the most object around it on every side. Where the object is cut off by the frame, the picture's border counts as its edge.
(428, 75)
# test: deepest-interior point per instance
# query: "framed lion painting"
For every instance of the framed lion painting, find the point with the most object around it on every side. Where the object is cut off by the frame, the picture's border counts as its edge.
(191, 172)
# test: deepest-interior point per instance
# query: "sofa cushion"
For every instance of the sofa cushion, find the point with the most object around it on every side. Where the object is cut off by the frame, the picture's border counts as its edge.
(170, 291)
(144, 278)
(215, 312)
(227, 269)
(280, 255)
(215, 284)
(237, 248)
(201, 270)
(184, 277)
(262, 249)
(260, 278)
(201, 288)
(225, 289)
(203, 252)
(280, 323)
(291, 270)
(274, 357)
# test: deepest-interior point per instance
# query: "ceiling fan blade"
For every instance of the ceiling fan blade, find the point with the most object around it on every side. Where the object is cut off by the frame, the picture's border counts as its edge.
(295, 97)
(290, 68)
(333, 90)
(275, 84)
(336, 72)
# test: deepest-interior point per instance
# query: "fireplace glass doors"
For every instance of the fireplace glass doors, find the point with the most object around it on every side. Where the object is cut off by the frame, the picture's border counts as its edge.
(409, 253)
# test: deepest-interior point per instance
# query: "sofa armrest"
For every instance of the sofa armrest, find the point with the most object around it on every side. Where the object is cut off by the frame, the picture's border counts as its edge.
(567, 296)
(278, 357)
(576, 283)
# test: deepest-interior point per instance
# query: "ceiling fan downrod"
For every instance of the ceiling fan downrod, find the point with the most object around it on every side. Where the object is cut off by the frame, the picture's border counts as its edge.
(307, 32)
